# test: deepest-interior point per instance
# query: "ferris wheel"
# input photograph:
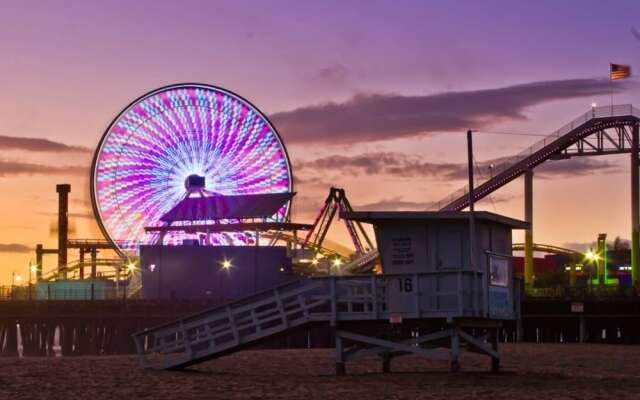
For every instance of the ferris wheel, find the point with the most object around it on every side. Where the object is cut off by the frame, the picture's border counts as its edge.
(167, 135)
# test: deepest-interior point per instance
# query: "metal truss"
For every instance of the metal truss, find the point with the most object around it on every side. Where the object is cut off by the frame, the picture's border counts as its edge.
(606, 141)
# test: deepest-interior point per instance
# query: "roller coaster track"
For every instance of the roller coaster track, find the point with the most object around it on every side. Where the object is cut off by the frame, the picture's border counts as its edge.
(600, 131)
(547, 248)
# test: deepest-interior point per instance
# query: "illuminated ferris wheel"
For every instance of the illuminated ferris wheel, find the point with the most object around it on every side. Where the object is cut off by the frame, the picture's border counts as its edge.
(173, 133)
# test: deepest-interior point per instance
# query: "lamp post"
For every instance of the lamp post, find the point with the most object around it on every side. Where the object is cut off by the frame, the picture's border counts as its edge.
(593, 258)
(33, 269)
(15, 278)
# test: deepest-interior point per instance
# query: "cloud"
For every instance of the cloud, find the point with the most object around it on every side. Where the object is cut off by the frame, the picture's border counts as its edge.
(579, 246)
(499, 198)
(579, 166)
(336, 74)
(11, 168)
(371, 117)
(412, 166)
(399, 204)
(583, 246)
(14, 248)
(38, 145)
(85, 215)
(394, 204)
(387, 163)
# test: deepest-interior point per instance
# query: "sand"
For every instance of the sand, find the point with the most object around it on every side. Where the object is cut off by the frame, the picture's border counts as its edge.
(530, 371)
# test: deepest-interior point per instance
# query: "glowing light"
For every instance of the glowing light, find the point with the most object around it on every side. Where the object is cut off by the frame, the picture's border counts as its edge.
(18, 278)
(593, 105)
(226, 264)
(152, 267)
(33, 268)
(170, 134)
(131, 267)
(592, 256)
(337, 262)
(314, 261)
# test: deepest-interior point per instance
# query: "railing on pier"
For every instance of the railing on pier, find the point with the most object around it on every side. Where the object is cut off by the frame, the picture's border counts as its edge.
(582, 293)
(21, 293)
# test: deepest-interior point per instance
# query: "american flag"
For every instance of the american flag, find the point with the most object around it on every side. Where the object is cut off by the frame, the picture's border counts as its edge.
(619, 71)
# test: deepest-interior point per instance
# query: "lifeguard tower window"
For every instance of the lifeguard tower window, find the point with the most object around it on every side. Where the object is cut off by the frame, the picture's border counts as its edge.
(450, 248)
(499, 270)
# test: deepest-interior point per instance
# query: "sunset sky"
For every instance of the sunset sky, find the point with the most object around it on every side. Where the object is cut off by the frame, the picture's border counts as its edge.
(373, 97)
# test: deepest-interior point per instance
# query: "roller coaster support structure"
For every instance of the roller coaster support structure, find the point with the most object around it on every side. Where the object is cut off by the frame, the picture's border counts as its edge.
(337, 202)
(600, 131)
(528, 234)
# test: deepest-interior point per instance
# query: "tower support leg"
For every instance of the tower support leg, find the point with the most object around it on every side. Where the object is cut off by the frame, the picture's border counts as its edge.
(340, 369)
(386, 363)
(94, 264)
(455, 349)
(635, 206)
(528, 234)
(39, 259)
(495, 340)
(81, 262)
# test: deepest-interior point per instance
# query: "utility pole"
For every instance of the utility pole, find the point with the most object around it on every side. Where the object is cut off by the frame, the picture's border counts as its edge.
(472, 218)
(635, 205)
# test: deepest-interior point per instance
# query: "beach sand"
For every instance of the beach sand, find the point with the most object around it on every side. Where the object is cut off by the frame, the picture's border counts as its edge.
(530, 371)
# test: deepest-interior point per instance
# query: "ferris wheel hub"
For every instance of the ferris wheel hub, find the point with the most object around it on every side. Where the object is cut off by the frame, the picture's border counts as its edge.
(194, 183)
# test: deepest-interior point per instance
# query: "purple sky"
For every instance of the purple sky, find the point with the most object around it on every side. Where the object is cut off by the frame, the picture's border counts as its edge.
(398, 81)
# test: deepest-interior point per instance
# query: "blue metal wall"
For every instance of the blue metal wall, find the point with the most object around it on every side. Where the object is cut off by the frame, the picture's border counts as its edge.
(197, 272)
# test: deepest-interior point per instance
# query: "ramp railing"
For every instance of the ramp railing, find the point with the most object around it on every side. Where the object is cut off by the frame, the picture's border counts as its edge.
(226, 328)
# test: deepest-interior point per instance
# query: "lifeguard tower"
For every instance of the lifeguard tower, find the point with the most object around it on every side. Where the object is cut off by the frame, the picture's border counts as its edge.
(440, 289)
(434, 298)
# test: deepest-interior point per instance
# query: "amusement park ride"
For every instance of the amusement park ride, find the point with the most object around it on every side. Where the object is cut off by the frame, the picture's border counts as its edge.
(192, 188)
(603, 130)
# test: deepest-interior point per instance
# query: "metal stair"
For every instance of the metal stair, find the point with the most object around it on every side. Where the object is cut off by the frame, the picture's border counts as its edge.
(227, 328)
(329, 300)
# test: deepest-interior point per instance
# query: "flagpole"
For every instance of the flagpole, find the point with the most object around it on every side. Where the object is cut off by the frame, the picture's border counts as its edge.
(611, 86)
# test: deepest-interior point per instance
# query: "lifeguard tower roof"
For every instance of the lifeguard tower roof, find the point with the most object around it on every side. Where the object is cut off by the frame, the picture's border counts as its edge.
(218, 207)
(426, 216)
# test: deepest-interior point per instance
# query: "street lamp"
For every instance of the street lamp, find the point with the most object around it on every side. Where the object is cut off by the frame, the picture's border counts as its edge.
(131, 267)
(15, 278)
(33, 269)
(337, 262)
(226, 264)
(591, 256)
